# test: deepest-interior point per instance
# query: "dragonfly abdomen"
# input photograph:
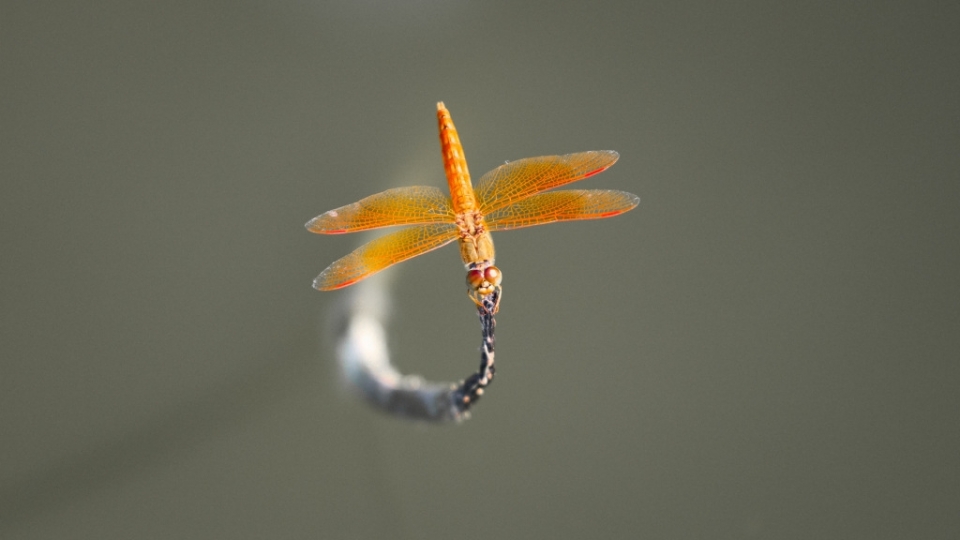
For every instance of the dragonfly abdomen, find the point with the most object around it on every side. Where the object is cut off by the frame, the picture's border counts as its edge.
(455, 164)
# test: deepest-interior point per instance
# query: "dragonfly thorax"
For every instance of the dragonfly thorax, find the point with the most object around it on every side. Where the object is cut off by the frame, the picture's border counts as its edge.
(476, 245)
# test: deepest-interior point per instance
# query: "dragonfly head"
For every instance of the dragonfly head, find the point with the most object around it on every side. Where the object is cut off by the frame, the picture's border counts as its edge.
(483, 280)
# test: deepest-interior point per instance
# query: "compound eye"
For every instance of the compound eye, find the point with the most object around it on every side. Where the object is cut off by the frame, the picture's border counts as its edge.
(475, 279)
(493, 275)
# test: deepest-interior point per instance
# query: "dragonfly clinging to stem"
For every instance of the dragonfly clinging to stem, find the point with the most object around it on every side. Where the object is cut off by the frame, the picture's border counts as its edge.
(508, 197)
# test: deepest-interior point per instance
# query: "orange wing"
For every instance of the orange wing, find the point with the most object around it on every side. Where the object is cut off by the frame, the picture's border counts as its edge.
(520, 179)
(384, 252)
(401, 206)
(565, 205)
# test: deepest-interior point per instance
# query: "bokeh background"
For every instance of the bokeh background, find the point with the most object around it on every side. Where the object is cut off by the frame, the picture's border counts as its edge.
(767, 347)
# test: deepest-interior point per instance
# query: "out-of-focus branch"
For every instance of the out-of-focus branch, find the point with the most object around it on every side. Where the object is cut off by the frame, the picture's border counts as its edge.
(361, 350)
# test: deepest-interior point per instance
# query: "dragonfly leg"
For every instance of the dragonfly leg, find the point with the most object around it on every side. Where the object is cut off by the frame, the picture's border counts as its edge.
(478, 298)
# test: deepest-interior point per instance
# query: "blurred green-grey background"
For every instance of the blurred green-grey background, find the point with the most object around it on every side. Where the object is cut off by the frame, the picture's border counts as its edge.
(767, 347)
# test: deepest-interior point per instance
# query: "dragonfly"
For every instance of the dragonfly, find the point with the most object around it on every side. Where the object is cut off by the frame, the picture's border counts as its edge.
(508, 197)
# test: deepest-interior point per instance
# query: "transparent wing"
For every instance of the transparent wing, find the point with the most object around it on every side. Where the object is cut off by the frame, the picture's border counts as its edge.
(384, 252)
(520, 179)
(566, 205)
(413, 205)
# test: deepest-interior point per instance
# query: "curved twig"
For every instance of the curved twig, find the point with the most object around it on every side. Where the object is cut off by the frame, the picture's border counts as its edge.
(364, 359)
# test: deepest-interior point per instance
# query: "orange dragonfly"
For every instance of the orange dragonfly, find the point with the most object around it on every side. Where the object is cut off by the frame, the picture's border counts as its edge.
(508, 197)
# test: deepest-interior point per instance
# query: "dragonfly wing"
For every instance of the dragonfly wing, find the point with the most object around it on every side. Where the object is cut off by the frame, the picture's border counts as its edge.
(400, 206)
(384, 252)
(565, 205)
(520, 179)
